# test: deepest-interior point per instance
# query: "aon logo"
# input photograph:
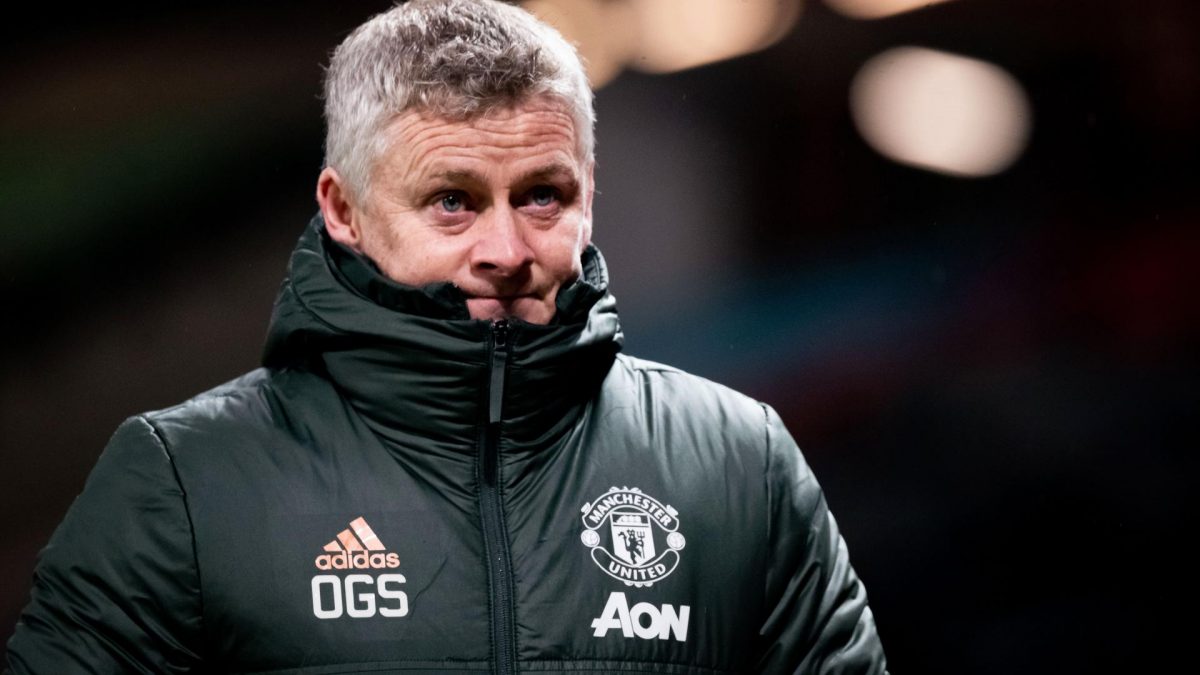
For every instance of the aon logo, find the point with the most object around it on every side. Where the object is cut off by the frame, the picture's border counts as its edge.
(643, 619)
(358, 595)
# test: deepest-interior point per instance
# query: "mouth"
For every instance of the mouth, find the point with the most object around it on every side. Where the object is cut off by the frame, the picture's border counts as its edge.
(499, 298)
(530, 307)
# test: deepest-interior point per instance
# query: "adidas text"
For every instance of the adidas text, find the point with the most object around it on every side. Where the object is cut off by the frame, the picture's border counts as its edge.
(643, 619)
(360, 560)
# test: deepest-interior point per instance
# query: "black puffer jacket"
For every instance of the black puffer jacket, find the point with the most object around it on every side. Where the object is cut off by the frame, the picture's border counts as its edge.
(404, 489)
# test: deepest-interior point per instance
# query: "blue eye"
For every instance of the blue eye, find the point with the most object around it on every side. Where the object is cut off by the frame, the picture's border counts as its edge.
(452, 203)
(543, 195)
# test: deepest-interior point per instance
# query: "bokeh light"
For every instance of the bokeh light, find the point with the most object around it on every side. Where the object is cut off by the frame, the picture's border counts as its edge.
(941, 112)
(662, 36)
(602, 32)
(875, 9)
(679, 34)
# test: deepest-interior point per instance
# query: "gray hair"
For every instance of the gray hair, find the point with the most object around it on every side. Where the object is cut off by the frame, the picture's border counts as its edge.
(453, 58)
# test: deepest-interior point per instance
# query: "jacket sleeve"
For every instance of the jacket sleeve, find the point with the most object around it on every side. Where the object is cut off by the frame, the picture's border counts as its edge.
(116, 590)
(818, 620)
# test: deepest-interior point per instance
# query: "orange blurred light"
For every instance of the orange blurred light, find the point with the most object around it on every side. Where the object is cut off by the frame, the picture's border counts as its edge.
(680, 34)
(875, 9)
(603, 32)
(661, 36)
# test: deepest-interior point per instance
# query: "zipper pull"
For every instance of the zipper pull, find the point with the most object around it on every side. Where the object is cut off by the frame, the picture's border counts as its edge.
(499, 360)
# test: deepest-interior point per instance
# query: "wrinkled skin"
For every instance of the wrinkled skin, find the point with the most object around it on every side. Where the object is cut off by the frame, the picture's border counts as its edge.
(500, 205)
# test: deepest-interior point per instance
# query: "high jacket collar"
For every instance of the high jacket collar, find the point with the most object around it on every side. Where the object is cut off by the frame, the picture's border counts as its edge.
(418, 369)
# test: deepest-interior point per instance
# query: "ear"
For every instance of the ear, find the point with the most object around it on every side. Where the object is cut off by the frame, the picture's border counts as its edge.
(587, 204)
(343, 221)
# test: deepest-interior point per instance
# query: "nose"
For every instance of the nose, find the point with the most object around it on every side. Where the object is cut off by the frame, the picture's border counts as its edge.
(501, 249)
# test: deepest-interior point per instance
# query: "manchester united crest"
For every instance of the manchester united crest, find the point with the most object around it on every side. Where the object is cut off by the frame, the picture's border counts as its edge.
(633, 537)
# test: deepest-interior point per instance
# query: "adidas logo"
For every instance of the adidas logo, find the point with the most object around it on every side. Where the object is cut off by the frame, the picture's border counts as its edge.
(356, 548)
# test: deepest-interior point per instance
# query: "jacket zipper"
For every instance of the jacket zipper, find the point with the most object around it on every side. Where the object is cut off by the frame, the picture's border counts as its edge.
(491, 507)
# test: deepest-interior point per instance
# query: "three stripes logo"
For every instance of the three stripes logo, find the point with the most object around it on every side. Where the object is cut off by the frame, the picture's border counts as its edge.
(356, 548)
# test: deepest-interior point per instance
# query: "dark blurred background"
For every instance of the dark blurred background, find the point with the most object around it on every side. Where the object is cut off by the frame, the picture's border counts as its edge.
(955, 246)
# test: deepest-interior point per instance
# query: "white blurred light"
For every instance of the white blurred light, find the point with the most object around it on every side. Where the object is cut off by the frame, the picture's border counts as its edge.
(874, 9)
(941, 112)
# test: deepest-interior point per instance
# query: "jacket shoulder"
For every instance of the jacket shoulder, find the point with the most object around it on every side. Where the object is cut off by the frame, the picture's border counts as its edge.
(263, 403)
(243, 390)
(670, 393)
(670, 380)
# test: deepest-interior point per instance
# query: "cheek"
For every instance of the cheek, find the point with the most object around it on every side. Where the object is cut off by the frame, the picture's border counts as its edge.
(560, 251)
(381, 245)
(414, 255)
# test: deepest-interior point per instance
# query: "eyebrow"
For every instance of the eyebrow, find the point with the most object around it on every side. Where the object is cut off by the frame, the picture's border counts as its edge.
(554, 170)
(453, 176)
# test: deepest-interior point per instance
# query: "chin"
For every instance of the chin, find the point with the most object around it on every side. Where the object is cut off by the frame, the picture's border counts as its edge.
(530, 310)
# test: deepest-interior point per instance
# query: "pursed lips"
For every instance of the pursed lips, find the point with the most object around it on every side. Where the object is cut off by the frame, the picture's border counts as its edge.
(502, 298)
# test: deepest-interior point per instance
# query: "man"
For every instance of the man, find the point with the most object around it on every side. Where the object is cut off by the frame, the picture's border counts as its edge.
(444, 465)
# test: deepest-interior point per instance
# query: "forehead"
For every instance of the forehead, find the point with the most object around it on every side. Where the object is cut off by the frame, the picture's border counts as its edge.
(530, 132)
